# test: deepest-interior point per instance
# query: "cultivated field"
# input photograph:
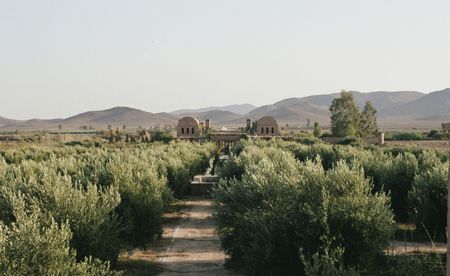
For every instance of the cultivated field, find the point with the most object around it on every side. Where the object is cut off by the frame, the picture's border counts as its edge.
(282, 208)
(429, 144)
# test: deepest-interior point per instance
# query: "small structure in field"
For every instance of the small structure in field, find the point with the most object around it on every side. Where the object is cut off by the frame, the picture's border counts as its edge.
(267, 126)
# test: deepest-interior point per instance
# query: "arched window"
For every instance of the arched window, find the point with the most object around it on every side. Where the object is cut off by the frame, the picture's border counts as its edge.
(193, 131)
(187, 130)
(262, 130)
(182, 130)
(273, 131)
(267, 130)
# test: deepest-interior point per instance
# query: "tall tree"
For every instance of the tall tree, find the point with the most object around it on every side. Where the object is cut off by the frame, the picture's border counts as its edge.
(368, 123)
(345, 115)
(317, 130)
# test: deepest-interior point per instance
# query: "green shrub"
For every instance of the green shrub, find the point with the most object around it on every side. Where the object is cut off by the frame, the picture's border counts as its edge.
(328, 263)
(161, 136)
(409, 265)
(308, 138)
(397, 179)
(437, 135)
(34, 245)
(88, 211)
(428, 160)
(354, 141)
(244, 215)
(281, 205)
(429, 198)
(404, 136)
(145, 196)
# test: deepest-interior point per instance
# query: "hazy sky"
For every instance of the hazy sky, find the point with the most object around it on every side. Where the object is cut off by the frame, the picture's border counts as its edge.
(59, 58)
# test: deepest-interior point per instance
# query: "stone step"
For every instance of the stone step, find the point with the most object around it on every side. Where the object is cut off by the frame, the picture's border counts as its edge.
(206, 178)
(204, 183)
(201, 188)
(212, 178)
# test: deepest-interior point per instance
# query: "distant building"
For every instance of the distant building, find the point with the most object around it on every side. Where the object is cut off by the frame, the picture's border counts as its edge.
(267, 126)
(188, 127)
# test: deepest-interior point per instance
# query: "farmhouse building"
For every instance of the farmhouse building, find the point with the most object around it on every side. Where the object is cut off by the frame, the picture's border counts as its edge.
(192, 129)
(189, 127)
(267, 126)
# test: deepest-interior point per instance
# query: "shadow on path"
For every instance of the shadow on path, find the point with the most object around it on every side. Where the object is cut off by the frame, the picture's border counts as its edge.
(189, 244)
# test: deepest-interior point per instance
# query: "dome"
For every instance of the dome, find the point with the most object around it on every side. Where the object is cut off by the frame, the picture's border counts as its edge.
(267, 121)
(188, 122)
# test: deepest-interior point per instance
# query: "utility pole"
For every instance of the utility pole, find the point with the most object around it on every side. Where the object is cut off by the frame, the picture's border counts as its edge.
(446, 127)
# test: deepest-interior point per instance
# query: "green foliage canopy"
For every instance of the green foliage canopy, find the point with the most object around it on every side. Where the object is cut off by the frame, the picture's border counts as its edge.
(348, 121)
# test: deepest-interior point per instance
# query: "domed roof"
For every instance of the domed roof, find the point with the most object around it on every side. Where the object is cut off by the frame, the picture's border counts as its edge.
(267, 121)
(188, 122)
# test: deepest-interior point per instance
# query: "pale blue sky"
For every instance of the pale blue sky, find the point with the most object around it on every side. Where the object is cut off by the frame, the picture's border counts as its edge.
(59, 58)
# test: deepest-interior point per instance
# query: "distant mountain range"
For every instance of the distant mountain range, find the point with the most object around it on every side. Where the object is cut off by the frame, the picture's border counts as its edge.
(406, 109)
(116, 117)
(240, 109)
(295, 111)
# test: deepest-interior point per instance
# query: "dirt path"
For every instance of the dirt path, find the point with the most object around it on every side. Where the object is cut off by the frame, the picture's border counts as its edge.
(189, 245)
(195, 247)
(400, 247)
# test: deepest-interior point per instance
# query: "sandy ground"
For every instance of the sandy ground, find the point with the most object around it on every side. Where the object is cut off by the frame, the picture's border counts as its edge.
(400, 247)
(189, 245)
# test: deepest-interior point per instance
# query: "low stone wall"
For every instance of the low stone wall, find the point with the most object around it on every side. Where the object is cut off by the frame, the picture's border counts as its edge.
(374, 140)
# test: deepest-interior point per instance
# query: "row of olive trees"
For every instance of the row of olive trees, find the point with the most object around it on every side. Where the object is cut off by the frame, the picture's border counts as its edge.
(413, 179)
(397, 172)
(102, 198)
(35, 244)
(277, 215)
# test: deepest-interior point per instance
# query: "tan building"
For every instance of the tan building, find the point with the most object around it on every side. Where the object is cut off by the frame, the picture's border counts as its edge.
(267, 126)
(188, 127)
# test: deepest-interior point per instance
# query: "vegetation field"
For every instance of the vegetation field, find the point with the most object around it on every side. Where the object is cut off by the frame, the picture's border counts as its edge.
(430, 144)
(69, 210)
(299, 207)
(286, 208)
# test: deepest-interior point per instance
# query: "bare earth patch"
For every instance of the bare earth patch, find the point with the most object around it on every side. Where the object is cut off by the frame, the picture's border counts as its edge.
(401, 247)
(189, 244)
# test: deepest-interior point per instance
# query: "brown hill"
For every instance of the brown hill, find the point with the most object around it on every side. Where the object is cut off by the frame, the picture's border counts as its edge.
(429, 107)
(235, 108)
(119, 116)
(216, 117)
(6, 121)
(380, 99)
(295, 111)
(115, 117)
